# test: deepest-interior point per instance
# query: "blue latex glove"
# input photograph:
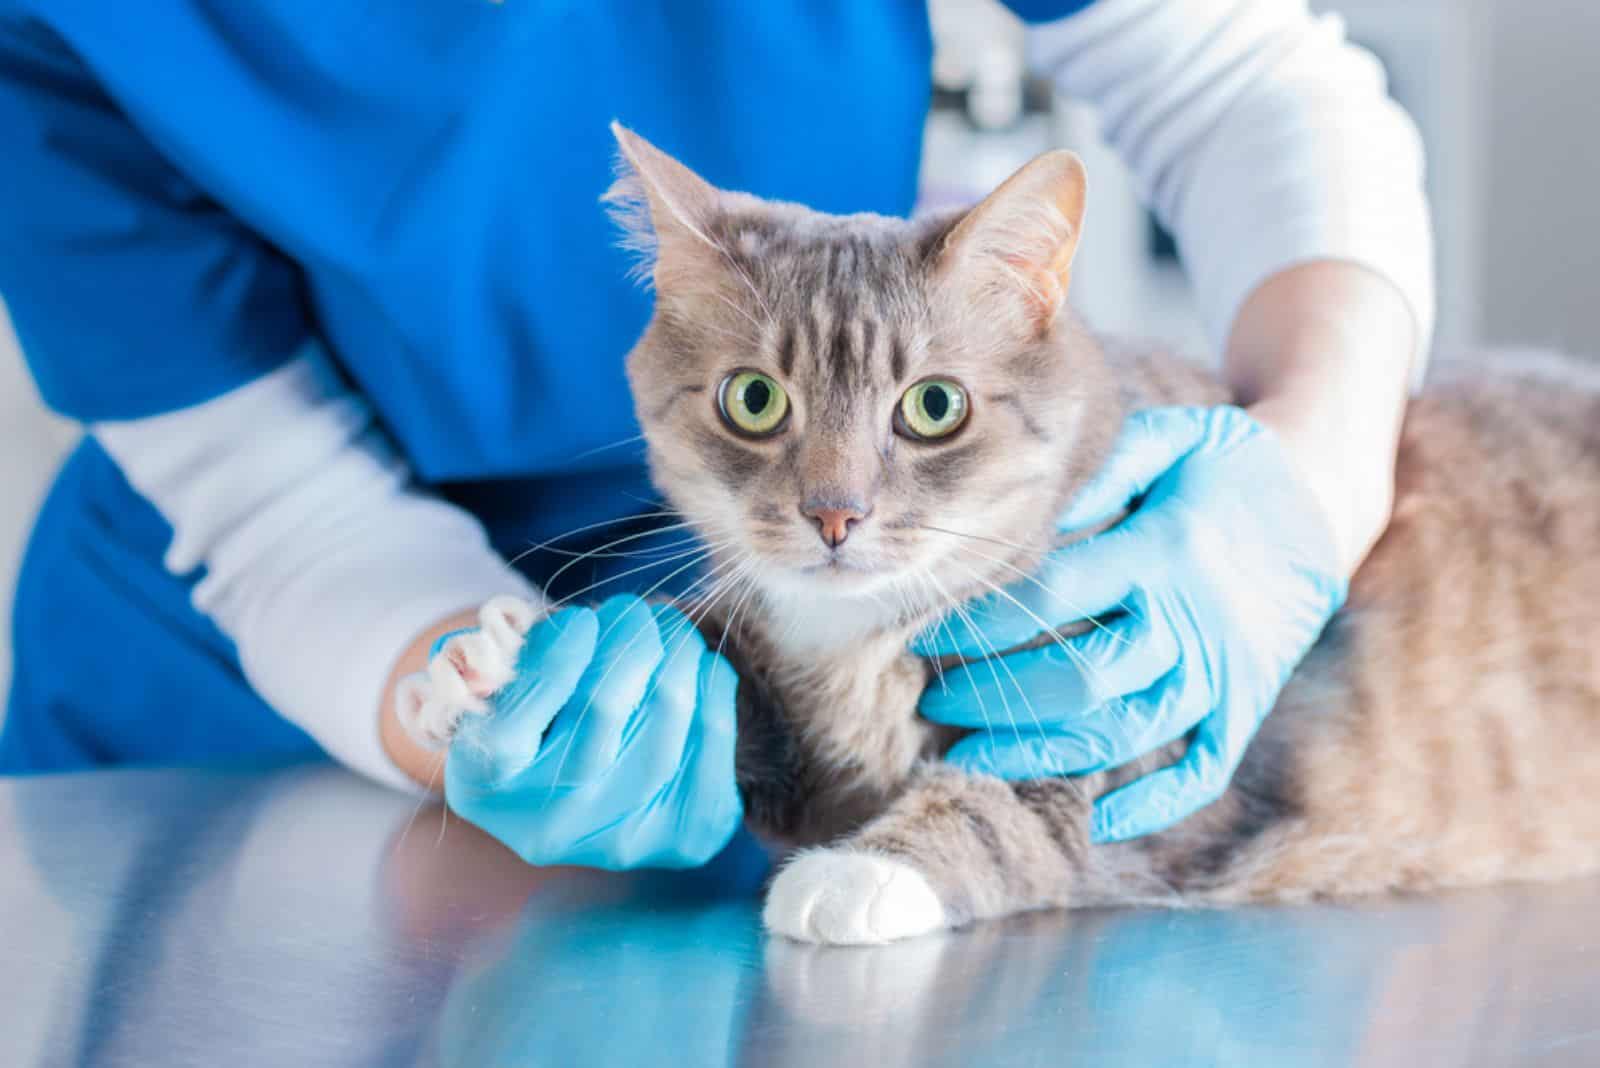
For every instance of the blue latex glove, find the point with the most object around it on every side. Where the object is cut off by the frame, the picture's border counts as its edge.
(612, 747)
(1213, 589)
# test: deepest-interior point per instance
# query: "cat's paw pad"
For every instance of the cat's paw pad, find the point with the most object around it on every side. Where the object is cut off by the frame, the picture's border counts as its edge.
(837, 897)
(464, 673)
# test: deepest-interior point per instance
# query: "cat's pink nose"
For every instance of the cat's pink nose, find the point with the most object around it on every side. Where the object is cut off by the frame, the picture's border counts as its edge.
(834, 523)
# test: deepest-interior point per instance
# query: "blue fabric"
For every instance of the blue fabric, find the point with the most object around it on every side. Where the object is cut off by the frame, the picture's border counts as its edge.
(1045, 10)
(193, 187)
(112, 665)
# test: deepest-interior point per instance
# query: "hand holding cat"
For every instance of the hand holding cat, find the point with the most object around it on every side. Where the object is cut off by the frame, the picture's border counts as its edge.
(1208, 596)
(611, 745)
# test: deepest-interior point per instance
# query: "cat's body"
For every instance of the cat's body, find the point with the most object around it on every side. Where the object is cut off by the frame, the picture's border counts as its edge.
(1445, 729)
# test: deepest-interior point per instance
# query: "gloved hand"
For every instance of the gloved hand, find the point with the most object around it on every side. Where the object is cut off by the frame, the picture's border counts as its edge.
(1213, 589)
(612, 746)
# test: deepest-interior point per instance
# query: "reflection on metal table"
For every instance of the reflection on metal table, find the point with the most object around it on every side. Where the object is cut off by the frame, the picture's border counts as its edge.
(302, 917)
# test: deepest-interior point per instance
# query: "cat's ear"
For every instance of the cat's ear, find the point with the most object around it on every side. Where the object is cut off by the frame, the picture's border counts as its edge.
(666, 212)
(1015, 248)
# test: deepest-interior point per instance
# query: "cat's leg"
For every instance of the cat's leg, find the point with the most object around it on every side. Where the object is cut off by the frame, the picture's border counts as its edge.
(953, 848)
(464, 673)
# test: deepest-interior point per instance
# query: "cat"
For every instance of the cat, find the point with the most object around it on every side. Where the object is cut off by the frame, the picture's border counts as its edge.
(1444, 730)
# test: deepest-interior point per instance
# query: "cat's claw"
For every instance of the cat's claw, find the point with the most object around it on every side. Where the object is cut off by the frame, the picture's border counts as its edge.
(464, 673)
(838, 897)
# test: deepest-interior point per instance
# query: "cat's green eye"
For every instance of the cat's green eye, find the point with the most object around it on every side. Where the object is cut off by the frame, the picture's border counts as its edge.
(933, 408)
(753, 403)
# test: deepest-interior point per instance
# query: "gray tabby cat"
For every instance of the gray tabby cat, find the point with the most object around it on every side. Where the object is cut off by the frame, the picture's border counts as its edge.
(1444, 731)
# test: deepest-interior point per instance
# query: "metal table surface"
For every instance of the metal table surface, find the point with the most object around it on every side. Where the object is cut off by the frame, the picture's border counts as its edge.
(301, 917)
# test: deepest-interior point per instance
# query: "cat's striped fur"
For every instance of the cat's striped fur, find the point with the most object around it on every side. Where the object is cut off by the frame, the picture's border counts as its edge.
(1444, 731)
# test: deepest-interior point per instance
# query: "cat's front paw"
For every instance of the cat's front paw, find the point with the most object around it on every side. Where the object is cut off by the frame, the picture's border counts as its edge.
(839, 897)
(464, 673)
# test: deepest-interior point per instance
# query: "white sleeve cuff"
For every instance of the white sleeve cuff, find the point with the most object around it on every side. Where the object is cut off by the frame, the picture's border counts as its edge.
(1260, 136)
(322, 562)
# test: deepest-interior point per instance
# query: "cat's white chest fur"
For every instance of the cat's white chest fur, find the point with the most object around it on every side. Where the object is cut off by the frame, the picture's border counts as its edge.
(850, 686)
(804, 623)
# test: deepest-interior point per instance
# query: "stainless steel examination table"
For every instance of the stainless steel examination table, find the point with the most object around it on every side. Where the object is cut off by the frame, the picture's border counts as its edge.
(301, 917)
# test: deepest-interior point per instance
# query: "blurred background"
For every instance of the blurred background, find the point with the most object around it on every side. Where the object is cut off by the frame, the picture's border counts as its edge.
(1504, 91)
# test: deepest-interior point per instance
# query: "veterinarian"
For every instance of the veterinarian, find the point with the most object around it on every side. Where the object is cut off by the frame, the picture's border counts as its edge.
(328, 288)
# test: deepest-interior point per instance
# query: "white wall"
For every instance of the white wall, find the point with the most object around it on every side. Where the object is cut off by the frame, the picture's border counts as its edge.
(1541, 191)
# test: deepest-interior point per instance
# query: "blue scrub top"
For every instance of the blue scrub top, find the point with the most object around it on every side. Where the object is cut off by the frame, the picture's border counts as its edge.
(193, 190)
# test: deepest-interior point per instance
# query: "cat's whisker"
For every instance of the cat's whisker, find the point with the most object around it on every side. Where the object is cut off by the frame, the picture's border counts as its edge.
(746, 571)
(938, 621)
(733, 617)
(788, 630)
(695, 534)
(598, 554)
(709, 552)
(673, 639)
(631, 518)
(694, 556)
(695, 608)
(749, 283)
(1048, 628)
(1003, 543)
(1044, 628)
(561, 760)
(688, 604)
(1073, 653)
(626, 539)
(760, 328)
(751, 587)
(696, 613)
(989, 661)
(908, 607)
(955, 609)
(416, 810)
(741, 339)
(444, 816)
(606, 448)
(1038, 724)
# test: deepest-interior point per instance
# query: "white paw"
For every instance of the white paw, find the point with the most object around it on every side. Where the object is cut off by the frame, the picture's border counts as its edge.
(465, 672)
(843, 898)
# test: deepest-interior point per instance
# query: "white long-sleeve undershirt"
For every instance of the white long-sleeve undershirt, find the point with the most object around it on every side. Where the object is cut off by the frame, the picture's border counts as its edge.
(322, 562)
(1258, 134)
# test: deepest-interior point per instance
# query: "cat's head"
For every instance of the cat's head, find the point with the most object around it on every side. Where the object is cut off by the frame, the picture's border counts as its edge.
(859, 408)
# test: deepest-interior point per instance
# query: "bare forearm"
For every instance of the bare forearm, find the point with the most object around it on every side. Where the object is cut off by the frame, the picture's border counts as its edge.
(1322, 353)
